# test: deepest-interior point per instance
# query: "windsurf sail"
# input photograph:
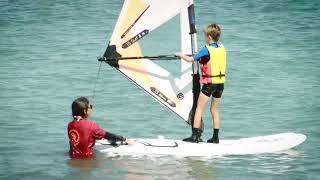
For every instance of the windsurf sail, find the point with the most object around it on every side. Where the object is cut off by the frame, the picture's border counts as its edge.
(138, 18)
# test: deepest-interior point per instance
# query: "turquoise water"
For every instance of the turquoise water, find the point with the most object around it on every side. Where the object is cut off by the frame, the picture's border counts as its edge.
(48, 53)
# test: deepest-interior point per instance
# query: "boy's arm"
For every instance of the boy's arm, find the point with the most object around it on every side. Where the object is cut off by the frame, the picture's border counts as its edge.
(184, 57)
(195, 57)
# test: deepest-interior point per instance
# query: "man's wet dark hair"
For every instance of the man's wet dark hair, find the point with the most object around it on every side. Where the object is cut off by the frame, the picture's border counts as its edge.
(79, 106)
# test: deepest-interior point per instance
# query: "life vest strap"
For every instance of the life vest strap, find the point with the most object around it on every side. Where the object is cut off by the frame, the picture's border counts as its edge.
(220, 76)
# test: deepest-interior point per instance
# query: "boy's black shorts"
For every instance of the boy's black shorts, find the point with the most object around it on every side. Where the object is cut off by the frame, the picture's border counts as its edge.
(214, 89)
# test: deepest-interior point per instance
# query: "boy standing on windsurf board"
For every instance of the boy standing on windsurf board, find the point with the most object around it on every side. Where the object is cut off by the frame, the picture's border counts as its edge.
(212, 59)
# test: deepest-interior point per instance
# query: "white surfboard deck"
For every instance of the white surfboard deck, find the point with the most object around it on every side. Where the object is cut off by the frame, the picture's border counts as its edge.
(254, 145)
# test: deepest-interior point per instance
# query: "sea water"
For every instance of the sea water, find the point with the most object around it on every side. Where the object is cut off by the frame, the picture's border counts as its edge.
(48, 53)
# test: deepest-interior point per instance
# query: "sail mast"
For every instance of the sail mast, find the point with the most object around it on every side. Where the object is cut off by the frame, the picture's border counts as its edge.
(195, 65)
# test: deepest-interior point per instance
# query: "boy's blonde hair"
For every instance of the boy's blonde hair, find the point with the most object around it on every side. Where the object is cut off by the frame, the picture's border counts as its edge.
(213, 30)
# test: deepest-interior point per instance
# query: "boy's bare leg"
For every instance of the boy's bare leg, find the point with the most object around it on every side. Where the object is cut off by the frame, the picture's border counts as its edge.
(215, 113)
(216, 121)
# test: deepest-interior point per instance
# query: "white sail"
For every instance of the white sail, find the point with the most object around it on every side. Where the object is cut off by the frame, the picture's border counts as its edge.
(137, 19)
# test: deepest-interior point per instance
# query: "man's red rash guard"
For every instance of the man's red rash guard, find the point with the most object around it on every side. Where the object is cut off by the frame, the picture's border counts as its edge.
(82, 135)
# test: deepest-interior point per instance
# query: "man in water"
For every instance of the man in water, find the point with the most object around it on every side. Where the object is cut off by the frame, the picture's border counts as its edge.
(82, 132)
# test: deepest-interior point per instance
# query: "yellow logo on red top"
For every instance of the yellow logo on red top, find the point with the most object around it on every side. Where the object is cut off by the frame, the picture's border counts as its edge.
(74, 137)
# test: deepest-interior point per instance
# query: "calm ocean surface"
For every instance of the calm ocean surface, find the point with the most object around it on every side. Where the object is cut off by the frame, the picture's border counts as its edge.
(48, 53)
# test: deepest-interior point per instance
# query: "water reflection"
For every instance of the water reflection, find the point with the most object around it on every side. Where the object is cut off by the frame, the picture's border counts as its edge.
(169, 167)
(83, 163)
(163, 167)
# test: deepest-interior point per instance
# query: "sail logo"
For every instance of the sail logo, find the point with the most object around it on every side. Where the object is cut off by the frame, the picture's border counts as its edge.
(162, 96)
(135, 38)
(180, 96)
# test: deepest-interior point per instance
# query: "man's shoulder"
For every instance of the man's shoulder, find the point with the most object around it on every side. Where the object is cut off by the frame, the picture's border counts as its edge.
(93, 124)
(82, 123)
(70, 123)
